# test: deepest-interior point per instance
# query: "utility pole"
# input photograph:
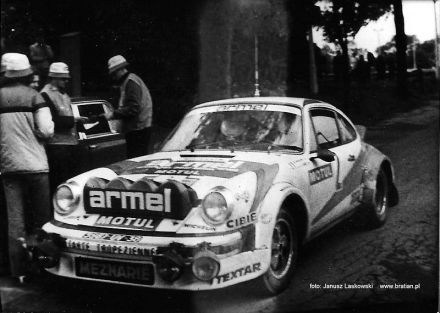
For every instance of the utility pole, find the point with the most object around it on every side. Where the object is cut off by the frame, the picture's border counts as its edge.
(437, 52)
(414, 50)
(257, 91)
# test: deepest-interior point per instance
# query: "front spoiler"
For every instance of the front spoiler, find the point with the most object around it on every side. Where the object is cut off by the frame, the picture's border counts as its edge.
(235, 266)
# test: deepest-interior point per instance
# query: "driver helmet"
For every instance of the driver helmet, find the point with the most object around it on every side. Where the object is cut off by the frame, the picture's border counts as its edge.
(234, 125)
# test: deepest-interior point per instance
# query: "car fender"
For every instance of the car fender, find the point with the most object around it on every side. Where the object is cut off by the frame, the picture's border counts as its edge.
(374, 160)
(269, 210)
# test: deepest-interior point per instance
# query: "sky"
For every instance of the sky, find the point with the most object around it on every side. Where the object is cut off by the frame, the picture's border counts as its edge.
(419, 21)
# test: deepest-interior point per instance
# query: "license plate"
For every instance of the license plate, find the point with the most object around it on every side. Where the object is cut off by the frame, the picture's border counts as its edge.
(115, 271)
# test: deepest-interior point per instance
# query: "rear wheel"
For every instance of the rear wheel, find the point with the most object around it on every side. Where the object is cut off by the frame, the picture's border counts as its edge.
(377, 211)
(284, 254)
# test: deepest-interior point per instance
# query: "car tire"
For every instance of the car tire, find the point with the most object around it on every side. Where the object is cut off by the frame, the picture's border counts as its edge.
(284, 254)
(377, 210)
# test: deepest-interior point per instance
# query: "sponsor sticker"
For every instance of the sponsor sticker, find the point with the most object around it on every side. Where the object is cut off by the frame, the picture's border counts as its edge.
(110, 248)
(243, 107)
(78, 245)
(112, 237)
(266, 218)
(202, 227)
(127, 222)
(245, 196)
(129, 200)
(356, 196)
(128, 250)
(189, 168)
(244, 220)
(319, 174)
(243, 271)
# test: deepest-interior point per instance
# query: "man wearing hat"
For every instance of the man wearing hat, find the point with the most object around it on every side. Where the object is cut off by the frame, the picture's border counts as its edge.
(54, 93)
(135, 107)
(4, 61)
(25, 124)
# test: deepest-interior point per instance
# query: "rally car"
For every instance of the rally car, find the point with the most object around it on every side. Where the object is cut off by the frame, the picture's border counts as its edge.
(232, 193)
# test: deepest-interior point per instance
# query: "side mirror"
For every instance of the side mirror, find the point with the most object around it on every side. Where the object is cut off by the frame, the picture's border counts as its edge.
(325, 155)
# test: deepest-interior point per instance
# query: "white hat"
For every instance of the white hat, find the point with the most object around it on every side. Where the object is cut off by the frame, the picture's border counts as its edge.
(5, 60)
(115, 63)
(59, 70)
(17, 65)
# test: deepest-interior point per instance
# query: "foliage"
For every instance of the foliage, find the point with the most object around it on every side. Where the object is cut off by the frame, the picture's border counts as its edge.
(351, 16)
(425, 51)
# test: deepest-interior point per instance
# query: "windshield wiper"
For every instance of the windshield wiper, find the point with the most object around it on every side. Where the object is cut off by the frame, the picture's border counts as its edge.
(208, 144)
(287, 147)
(270, 145)
(197, 145)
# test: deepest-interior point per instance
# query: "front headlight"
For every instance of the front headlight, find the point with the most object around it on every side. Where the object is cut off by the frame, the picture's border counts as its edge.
(217, 206)
(66, 198)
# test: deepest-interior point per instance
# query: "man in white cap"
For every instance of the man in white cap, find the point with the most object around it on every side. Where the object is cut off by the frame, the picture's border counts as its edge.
(4, 61)
(25, 124)
(135, 107)
(55, 95)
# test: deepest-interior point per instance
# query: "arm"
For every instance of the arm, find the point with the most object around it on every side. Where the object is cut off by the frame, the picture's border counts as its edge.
(131, 105)
(61, 122)
(44, 127)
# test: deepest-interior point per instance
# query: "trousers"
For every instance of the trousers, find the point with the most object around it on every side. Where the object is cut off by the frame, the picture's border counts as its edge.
(137, 142)
(28, 207)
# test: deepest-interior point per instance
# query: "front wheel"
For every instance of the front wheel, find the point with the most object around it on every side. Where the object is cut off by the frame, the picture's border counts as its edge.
(284, 254)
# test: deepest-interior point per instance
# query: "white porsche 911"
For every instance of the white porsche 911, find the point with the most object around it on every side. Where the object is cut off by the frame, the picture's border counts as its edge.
(233, 192)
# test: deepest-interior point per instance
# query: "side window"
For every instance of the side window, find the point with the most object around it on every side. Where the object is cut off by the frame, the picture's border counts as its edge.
(326, 128)
(313, 144)
(348, 133)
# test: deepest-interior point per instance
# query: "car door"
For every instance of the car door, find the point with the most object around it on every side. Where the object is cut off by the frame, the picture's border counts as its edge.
(323, 134)
(349, 154)
(335, 192)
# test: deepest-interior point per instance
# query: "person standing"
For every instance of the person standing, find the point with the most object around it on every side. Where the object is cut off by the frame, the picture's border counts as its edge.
(41, 55)
(61, 149)
(4, 61)
(134, 109)
(25, 124)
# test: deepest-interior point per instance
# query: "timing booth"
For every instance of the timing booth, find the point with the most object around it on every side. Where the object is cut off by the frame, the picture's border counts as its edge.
(90, 145)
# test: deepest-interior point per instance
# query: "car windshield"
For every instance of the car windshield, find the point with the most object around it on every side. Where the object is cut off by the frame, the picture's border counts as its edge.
(238, 129)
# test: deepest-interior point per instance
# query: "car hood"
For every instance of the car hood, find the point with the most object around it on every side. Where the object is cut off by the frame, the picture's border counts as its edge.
(182, 182)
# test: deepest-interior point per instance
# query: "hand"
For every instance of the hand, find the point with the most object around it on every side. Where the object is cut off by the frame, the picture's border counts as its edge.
(107, 115)
(81, 119)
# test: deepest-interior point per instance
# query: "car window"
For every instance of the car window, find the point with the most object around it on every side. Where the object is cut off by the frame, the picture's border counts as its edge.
(348, 133)
(326, 129)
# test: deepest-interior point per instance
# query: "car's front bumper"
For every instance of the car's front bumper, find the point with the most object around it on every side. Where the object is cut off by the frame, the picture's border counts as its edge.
(136, 263)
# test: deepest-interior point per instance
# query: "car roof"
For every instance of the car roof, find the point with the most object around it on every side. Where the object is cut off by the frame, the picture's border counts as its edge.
(296, 102)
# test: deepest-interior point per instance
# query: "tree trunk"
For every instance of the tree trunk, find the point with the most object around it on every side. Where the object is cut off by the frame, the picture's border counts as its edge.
(298, 51)
(400, 47)
(216, 27)
(345, 66)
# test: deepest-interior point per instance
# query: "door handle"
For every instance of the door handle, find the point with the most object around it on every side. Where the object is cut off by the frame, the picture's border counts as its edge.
(351, 158)
(93, 147)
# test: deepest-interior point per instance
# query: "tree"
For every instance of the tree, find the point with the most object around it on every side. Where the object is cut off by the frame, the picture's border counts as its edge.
(302, 14)
(344, 18)
(400, 48)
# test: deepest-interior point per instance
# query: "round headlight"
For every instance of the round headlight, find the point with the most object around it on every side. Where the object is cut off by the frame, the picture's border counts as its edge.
(217, 206)
(66, 199)
(205, 266)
